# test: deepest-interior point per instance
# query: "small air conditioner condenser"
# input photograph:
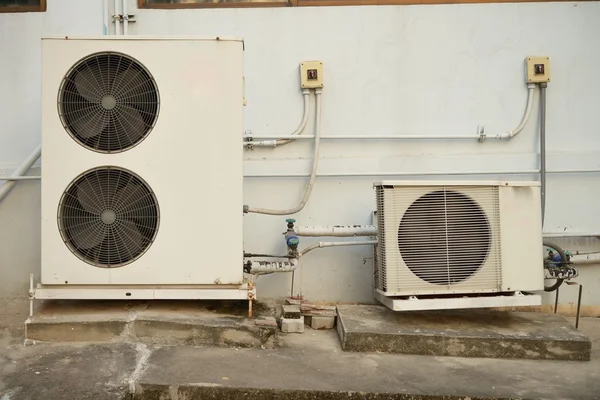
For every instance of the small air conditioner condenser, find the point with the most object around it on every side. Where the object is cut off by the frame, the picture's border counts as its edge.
(453, 238)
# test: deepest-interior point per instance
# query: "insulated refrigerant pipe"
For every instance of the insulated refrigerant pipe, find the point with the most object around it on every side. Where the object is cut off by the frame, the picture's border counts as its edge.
(268, 267)
(21, 169)
(335, 244)
(336, 230)
(313, 173)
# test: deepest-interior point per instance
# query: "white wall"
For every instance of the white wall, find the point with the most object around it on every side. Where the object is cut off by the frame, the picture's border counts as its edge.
(388, 70)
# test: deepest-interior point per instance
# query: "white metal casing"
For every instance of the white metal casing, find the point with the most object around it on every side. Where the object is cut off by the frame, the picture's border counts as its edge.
(192, 160)
(513, 261)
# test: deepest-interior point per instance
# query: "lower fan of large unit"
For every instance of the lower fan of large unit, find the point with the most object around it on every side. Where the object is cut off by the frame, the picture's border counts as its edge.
(108, 217)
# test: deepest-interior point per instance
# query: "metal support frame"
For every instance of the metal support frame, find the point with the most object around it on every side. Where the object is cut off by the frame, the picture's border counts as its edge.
(577, 317)
(245, 291)
(421, 303)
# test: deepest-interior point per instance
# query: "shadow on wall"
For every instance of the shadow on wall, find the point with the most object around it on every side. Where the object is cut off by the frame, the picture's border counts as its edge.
(20, 216)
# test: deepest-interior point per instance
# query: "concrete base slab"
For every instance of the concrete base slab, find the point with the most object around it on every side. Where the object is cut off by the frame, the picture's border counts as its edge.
(461, 333)
(312, 366)
(161, 322)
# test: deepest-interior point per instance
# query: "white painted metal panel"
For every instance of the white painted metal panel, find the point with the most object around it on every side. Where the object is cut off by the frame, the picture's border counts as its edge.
(192, 160)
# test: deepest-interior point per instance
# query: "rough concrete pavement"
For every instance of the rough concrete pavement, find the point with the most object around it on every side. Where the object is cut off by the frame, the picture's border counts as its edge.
(307, 366)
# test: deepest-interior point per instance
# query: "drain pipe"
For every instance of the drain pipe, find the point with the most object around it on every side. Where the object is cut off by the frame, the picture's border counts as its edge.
(18, 173)
(116, 18)
(125, 17)
(105, 17)
(543, 87)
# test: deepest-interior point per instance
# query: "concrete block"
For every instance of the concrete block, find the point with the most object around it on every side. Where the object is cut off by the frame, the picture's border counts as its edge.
(461, 333)
(290, 311)
(294, 325)
(318, 322)
(266, 321)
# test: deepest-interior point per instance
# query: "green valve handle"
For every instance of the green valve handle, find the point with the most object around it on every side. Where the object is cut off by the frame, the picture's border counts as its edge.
(290, 220)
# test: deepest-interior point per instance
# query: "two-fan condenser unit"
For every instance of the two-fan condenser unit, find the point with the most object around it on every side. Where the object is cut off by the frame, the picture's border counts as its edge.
(458, 244)
(142, 178)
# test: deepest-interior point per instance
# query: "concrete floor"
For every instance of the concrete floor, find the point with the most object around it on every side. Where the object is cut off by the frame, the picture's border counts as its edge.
(306, 366)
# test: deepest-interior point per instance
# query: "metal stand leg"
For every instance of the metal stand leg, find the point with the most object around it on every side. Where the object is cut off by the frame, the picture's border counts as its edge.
(250, 297)
(556, 301)
(578, 302)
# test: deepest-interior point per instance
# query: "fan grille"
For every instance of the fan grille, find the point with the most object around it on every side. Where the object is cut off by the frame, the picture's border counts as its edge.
(108, 217)
(444, 237)
(108, 102)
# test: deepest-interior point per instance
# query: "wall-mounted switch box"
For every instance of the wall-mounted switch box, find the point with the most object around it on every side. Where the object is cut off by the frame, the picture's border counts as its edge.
(538, 69)
(311, 74)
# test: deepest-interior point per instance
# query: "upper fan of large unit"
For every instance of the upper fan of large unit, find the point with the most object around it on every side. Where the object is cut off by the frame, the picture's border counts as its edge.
(108, 102)
(461, 237)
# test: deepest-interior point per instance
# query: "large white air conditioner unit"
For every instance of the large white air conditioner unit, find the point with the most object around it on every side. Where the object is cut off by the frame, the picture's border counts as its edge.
(142, 168)
(458, 244)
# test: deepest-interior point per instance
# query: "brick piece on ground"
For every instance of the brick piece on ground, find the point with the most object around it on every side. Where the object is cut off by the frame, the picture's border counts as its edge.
(319, 322)
(290, 311)
(294, 301)
(292, 325)
(266, 321)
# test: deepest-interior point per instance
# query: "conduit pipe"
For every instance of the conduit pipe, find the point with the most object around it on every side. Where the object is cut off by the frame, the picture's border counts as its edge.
(543, 147)
(313, 172)
(509, 135)
(526, 115)
(21, 169)
(335, 244)
(305, 94)
(337, 230)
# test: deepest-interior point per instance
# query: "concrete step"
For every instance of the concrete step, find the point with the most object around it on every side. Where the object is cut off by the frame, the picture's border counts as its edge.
(164, 323)
(461, 333)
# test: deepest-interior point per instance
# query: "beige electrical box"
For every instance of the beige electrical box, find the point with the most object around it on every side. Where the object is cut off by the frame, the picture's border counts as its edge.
(538, 69)
(311, 74)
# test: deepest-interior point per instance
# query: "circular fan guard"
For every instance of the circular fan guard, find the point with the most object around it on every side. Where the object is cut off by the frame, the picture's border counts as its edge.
(444, 237)
(108, 102)
(108, 217)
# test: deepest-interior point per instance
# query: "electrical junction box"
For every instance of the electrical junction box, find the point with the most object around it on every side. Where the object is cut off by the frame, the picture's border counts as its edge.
(311, 74)
(538, 69)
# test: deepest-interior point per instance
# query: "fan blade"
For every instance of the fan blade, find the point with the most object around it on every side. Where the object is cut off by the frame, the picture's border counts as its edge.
(91, 124)
(88, 234)
(130, 236)
(89, 84)
(124, 197)
(87, 194)
(132, 122)
(127, 84)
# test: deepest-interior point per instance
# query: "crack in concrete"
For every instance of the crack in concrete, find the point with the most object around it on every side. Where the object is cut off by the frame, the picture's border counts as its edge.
(143, 355)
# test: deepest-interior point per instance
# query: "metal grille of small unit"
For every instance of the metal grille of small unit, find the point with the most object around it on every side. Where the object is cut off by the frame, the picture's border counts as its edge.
(447, 237)
(108, 102)
(108, 217)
